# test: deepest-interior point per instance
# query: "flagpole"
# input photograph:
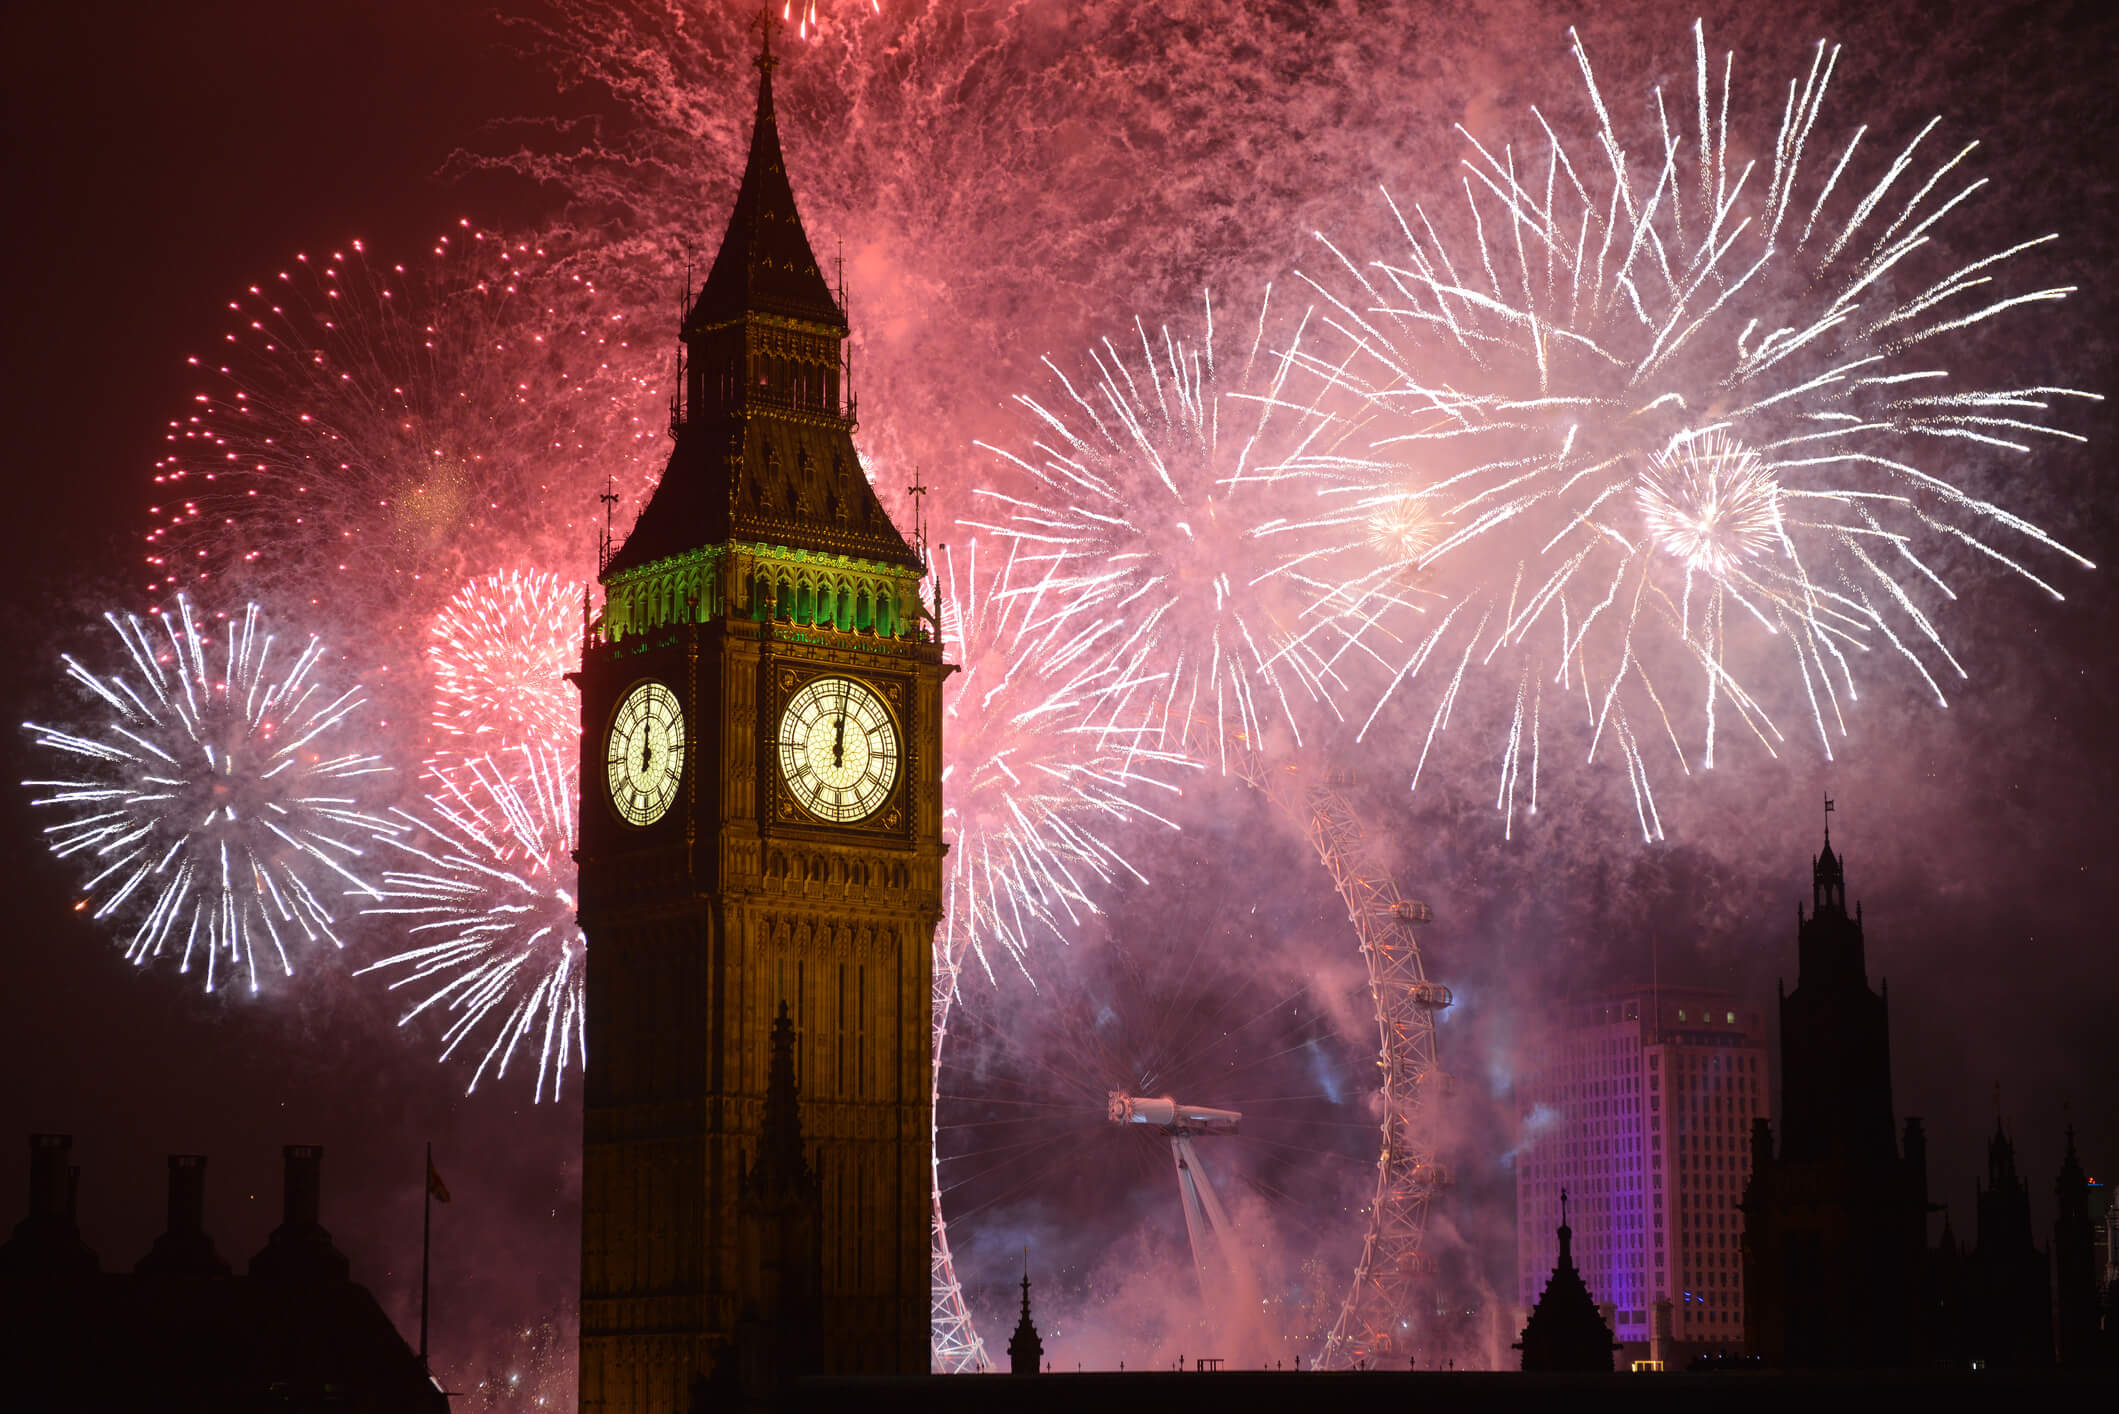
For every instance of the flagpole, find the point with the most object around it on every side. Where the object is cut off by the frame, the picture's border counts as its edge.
(426, 1241)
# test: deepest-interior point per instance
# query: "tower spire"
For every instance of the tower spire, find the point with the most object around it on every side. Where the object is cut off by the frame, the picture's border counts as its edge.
(780, 1162)
(1025, 1349)
(764, 449)
(765, 61)
(765, 265)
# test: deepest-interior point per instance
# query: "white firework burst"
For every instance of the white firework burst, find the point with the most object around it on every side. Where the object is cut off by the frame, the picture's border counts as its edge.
(218, 806)
(1642, 382)
(484, 889)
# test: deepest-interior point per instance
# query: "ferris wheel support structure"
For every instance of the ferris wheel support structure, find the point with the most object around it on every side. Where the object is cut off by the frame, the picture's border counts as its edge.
(1388, 1284)
(1388, 1279)
(954, 1346)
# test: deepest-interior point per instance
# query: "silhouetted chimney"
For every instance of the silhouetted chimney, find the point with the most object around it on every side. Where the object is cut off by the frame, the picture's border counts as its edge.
(299, 1248)
(185, 1250)
(187, 1192)
(304, 1189)
(50, 1182)
(47, 1242)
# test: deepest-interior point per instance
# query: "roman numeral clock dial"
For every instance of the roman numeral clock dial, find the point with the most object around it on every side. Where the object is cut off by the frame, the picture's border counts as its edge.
(644, 756)
(838, 748)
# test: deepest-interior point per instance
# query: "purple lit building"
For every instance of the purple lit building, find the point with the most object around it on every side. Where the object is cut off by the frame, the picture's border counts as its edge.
(1640, 1107)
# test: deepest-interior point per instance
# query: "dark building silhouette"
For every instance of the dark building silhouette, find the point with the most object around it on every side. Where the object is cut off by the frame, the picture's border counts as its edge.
(1566, 1333)
(184, 1249)
(1025, 1349)
(760, 827)
(779, 1218)
(1835, 1243)
(2076, 1298)
(1946, 1290)
(179, 1331)
(2005, 1301)
(47, 1242)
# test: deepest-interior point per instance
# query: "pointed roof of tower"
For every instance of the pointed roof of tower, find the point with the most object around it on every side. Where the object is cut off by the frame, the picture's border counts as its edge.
(2074, 1179)
(1566, 1332)
(770, 461)
(765, 265)
(1025, 1349)
(2001, 1154)
(1827, 868)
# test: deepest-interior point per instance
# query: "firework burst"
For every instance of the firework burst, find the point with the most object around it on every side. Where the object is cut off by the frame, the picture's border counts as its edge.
(217, 806)
(1168, 514)
(1036, 792)
(1111, 149)
(1709, 503)
(394, 428)
(499, 651)
(1651, 393)
(484, 888)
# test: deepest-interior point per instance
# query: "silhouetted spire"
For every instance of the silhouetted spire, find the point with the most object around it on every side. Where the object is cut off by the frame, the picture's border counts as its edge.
(780, 1166)
(2001, 1158)
(780, 1253)
(2074, 1262)
(2072, 1174)
(1828, 873)
(1566, 1332)
(1025, 1350)
(765, 265)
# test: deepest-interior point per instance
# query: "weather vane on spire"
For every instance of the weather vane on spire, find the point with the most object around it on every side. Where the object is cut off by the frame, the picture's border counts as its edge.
(1828, 819)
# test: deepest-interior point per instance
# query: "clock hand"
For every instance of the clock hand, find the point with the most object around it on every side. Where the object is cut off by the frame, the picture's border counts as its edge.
(838, 742)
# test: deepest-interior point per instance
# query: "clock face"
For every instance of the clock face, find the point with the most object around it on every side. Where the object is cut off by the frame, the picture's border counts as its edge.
(838, 749)
(645, 754)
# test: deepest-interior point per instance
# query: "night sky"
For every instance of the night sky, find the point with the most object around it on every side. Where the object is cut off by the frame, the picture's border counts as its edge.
(157, 161)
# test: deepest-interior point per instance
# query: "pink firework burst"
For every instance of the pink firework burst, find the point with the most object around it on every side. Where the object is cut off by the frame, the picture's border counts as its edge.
(499, 651)
(388, 429)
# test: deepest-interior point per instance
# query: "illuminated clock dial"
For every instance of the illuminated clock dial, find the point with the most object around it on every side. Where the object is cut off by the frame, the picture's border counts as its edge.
(838, 749)
(644, 757)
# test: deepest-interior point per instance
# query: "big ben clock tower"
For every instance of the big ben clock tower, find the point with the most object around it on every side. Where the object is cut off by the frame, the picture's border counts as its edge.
(760, 827)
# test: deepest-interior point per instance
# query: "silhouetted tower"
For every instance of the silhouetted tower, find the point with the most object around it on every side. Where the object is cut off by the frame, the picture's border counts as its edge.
(2008, 1308)
(1836, 1084)
(1566, 1333)
(2074, 1264)
(1835, 1224)
(1025, 1350)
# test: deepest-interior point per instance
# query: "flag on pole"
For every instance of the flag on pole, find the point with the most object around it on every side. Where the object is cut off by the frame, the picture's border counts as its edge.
(435, 1187)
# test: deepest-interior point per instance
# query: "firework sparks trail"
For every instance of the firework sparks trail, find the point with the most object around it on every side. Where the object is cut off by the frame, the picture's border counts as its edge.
(1036, 791)
(1167, 505)
(485, 890)
(1668, 415)
(996, 173)
(392, 429)
(216, 806)
(499, 651)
